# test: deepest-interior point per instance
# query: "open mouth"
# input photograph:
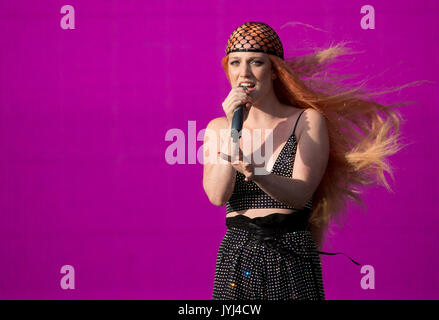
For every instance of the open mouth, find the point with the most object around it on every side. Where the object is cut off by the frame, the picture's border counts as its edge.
(247, 85)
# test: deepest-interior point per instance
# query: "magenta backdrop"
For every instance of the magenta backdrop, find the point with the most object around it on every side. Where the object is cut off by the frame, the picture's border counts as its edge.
(84, 115)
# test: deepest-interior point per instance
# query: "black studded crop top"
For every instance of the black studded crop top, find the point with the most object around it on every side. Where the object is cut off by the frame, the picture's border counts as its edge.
(248, 195)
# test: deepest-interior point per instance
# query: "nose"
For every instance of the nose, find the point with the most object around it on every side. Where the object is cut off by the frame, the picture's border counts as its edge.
(245, 70)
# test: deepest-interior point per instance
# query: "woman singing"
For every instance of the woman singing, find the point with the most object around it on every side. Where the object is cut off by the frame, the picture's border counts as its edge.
(276, 219)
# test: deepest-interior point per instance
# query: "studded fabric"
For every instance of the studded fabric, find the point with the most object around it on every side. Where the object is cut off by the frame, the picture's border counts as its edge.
(248, 195)
(283, 266)
(256, 37)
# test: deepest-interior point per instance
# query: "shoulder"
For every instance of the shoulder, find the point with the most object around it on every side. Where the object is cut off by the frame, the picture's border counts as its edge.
(217, 123)
(310, 120)
(312, 114)
(215, 126)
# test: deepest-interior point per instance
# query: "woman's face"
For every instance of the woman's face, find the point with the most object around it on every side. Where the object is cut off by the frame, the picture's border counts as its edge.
(253, 68)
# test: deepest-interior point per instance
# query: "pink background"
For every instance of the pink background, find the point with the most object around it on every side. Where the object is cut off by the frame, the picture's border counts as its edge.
(83, 119)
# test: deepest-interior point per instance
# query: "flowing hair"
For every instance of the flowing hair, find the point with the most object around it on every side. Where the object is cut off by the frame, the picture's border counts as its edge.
(362, 132)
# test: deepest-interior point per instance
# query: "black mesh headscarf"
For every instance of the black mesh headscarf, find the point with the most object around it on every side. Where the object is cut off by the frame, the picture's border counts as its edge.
(255, 37)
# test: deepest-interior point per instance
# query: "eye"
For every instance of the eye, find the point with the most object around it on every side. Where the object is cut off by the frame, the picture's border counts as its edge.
(259, 63)
(234, 62)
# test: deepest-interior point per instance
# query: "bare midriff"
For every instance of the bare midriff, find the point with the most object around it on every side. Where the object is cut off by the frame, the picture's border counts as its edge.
(255, 213)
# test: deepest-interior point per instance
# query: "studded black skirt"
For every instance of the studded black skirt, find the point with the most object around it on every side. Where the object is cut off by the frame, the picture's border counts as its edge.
(268, 258)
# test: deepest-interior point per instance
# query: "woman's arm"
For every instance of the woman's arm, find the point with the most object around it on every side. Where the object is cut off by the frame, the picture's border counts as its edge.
(310, 163)
(218, 175)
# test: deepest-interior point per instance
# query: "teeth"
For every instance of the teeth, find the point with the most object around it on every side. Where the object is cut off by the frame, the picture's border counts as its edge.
(244, 84)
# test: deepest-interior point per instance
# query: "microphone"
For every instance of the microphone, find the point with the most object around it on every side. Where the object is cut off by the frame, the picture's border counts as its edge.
(237, 120)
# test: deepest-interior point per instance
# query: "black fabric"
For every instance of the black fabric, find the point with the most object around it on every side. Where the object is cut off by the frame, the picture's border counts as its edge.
(272, 223)
(263, 258)
(267, 227)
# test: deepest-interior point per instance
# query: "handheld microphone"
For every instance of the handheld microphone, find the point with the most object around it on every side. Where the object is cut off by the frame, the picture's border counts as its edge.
(237, 121)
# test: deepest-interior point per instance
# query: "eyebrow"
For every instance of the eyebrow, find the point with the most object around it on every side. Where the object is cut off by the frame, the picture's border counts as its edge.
(250, 58)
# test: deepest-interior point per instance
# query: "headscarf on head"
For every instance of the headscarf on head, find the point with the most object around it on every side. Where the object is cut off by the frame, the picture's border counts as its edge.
(256, 37)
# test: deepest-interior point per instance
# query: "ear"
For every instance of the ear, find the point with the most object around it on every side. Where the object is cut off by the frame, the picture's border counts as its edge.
(273, 75)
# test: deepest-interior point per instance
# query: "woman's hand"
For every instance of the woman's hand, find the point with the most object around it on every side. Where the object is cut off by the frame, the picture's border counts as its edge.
(236, 97)
(242, 164)
(245, 167)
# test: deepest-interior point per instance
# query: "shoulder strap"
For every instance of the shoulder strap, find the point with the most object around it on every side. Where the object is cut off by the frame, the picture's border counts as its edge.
(294, 130)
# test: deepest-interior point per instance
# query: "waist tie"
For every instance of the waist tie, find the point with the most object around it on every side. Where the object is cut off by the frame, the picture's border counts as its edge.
(266, 233)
